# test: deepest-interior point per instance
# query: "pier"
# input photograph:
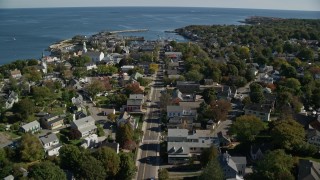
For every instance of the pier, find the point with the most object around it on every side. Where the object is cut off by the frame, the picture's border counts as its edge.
(129, 30)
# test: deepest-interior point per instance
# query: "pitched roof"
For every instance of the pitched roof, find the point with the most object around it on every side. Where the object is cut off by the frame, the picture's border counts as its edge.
(177, 132)
(48, 138)
(136, 96)
(30, 125)
(83, 121)
(265, 108)
(308, 170)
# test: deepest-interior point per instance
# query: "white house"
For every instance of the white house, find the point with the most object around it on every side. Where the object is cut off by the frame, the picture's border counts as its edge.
(85, 126)
(51, 144)
(183, 144)
(261, 111)
(32, 127)
(90, 141)
(90, 66)
(94, 55)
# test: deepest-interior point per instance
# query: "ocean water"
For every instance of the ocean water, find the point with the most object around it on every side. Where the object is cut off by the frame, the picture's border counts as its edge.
(26, 33)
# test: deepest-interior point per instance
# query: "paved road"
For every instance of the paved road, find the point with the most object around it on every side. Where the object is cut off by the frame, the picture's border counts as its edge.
(148, 155)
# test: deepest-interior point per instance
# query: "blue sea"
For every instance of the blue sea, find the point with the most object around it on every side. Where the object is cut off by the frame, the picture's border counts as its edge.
(26, 33)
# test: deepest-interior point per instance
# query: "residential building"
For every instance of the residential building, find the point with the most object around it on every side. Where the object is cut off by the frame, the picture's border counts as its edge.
(179, 122)
(16, 74)
(95, 56)
(135, 76)
(134, 103)
(257, 151)
(233, 167)
(51, 144)
(90, 141)
(223, 139)
(183, 144)
(178, 96)
(90, 66)
(32, 127)
(13, 98)
(188, 86)
(261, 111)
(308, 170)
(313, 133)
(226, 92)
(50, 121)
(126, 118)
(173, 55)
(85, 126)
(178, 111)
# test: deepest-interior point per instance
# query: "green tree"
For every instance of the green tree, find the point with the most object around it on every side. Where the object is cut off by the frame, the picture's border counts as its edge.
(69, 156)
(256, 93)
(42, 94)
(287, 134)
(80, 61)
(208, 155)
(209, 95)
(163, 174)
(275, 165)
(23, 109)
(124, 133)
(30, 148)
(127, 167)
(79, 72)
(193, 75)
(212, 171)
(110, 160)
(46, 170)
(246, 128)
(90, 168)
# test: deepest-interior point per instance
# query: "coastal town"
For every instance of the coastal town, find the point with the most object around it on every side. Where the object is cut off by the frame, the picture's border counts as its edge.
(234, 102)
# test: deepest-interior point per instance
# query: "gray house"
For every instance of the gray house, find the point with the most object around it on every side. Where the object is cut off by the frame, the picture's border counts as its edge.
(233, 167)
(308, 170)
(32, 127)
(85, 126)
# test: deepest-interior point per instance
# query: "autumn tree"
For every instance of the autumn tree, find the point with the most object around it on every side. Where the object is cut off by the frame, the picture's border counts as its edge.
(153, 68)
(46, 170)
(219, 110)
(124, 133)
(110, 160)
(95, 87)
(30, 148)
(133, 88)
(246, 127)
